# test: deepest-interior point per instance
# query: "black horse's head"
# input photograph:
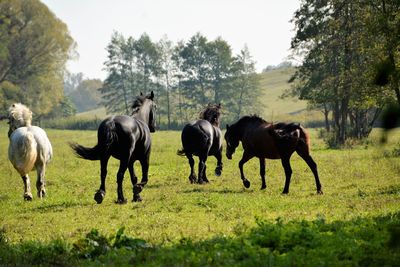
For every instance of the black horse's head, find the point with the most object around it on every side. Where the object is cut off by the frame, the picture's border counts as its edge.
(212, 114)
(232, 141)
(145, 108)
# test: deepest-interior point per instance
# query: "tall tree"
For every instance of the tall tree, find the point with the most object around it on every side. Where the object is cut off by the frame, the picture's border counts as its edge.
(115, 92)
(196, 72)
(35, 46)
(168, 70)
(220, 60)
(336, 46)
(246, 86)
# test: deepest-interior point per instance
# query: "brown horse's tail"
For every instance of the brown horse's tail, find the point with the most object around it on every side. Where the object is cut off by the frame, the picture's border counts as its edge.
(305, 137)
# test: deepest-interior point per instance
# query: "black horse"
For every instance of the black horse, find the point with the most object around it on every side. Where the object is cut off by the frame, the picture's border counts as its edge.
(202, 138)
(128, 139)
(272, 141)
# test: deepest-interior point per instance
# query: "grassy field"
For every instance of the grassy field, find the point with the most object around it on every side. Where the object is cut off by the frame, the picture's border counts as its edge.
(196, 225)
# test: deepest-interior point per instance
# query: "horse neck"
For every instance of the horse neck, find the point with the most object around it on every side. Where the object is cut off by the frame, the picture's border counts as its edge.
(241, 126)
(143, 113)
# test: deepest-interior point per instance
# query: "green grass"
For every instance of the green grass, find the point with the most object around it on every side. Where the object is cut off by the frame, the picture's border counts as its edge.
(361, 186)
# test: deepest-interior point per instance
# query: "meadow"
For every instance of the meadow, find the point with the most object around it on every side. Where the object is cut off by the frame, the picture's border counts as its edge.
(356, 221)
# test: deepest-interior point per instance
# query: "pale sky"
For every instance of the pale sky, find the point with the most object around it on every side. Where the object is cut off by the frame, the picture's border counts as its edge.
(262, 25)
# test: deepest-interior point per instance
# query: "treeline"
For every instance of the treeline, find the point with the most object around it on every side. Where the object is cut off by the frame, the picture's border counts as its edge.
(350, 62)
(185, 77)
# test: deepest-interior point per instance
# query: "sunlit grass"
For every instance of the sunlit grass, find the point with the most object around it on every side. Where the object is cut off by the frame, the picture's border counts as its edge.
(359, 182)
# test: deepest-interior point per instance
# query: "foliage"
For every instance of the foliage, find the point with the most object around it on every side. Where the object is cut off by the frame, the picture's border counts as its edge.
(185, 77)
(34, 48)
(337, 40)
(362, 242)
(86, 96)
(64, 109)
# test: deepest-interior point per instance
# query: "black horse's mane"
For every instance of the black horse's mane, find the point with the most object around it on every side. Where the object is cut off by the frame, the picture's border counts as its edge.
(211, 113)
(252, 118)
(138, 103)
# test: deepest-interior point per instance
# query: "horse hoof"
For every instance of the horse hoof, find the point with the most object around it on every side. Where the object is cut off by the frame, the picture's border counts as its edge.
(99, 196)
(192, 179)
(41, 194)
(263, 187)
(218, 172)
(246, 183)
(121, 201)
(319, 192)
(201, 182)
(137, 189)
(136, 198)
(28, 197)
(285, 192)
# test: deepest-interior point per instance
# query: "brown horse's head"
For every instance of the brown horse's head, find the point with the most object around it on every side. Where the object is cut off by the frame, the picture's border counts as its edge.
(232, 141)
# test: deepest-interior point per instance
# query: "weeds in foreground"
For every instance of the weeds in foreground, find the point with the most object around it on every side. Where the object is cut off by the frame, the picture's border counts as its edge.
(359, 242)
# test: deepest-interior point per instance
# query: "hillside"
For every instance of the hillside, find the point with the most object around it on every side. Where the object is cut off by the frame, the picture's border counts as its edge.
(273, 84)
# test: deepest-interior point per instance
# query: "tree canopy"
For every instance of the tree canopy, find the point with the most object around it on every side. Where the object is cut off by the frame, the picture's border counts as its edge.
(34, 47)
(185, 76)
(341, 43)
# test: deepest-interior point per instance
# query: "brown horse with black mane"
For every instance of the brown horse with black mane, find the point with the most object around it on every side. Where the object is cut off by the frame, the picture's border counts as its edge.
(272, 141)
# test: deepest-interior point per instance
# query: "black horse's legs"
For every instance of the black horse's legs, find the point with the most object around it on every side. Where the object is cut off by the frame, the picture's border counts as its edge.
(132, 173)
(246, 157)
(313, 166)
(288, 173)
(192, 176)
(145, 170)
(202, 166)
(137, 188)
(27, 188)
(218, 169)
(123, 165)
(100, 194)
(204, 175)
(262, 173)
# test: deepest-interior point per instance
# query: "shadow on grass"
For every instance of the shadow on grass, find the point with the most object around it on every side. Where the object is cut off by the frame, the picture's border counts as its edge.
(211, 190)
(58, 207)
(359, 242)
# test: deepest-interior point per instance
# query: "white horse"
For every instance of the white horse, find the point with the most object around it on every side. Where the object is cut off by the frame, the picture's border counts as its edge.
(29, 148)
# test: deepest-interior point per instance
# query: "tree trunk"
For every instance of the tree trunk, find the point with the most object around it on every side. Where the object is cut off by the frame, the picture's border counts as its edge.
(168, 103)
(326, 116)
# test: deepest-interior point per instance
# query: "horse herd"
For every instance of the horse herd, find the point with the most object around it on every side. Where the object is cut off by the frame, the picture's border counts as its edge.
(128, 139)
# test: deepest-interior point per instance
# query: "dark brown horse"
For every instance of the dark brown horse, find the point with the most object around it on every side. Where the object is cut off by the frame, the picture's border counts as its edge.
(202, 138)
(272, 141)
(128, 139)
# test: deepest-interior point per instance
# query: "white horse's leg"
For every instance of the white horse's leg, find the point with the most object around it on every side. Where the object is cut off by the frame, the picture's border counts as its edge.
(27, 187)
(40, 182)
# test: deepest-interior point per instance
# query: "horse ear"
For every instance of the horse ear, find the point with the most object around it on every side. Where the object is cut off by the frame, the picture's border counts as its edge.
(151, 95)
(227, 126)
(219, 105)
(141, 94)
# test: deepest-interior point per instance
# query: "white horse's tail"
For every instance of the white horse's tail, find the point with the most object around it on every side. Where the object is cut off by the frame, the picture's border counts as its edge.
(23, 152)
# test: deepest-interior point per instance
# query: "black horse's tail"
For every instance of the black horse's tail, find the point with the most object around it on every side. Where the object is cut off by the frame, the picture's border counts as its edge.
(193, 136)
(181, 152)
(106, 137)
